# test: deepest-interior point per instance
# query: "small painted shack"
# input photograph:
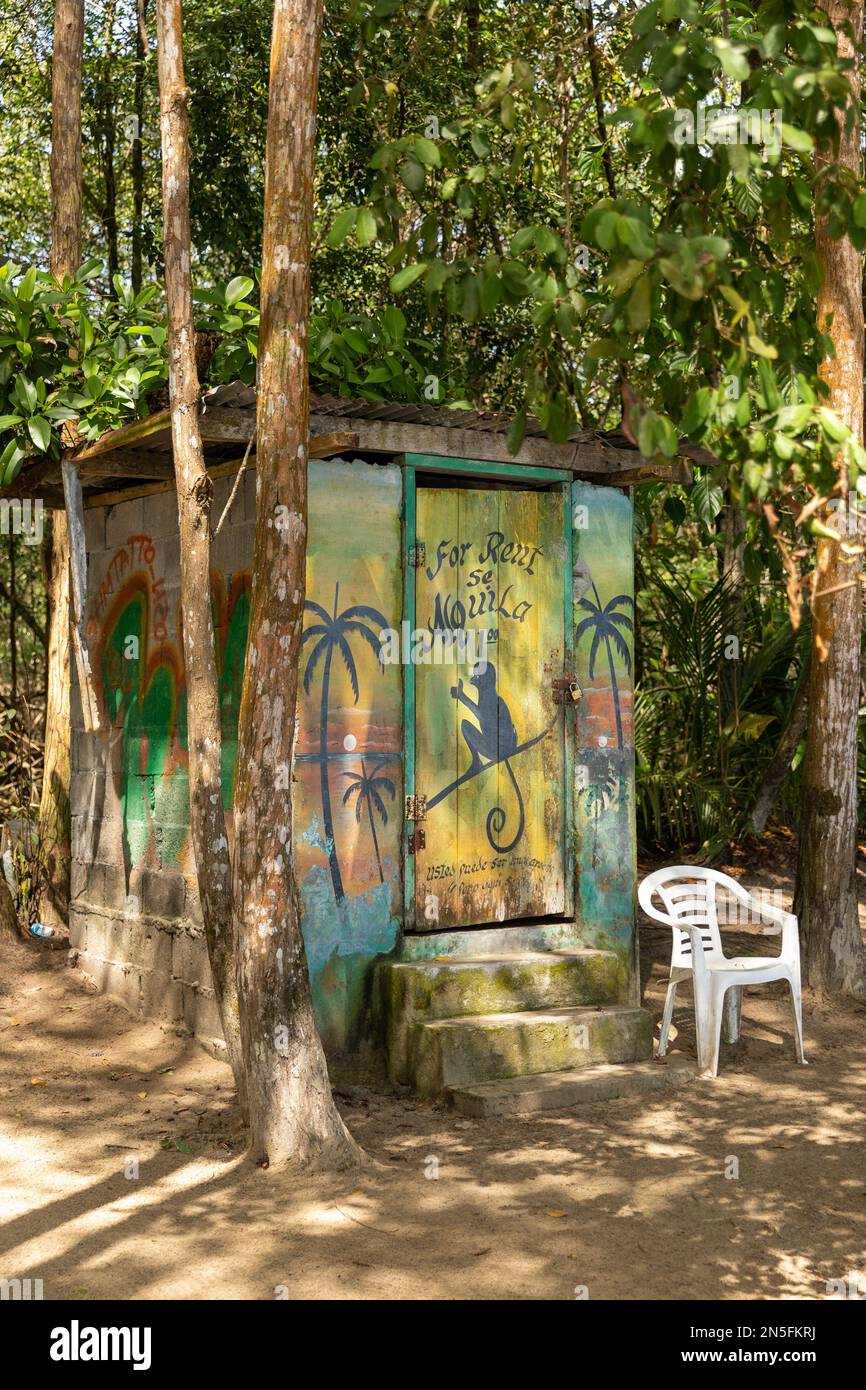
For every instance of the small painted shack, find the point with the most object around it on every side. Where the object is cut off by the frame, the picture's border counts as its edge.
(463, 784)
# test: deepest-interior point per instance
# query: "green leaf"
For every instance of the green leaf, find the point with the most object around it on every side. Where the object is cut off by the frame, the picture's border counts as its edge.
(762, 349)
(516, 431)
(365, 227)
(697, 410)
(427, 152)
(40, 432)
(411, 172)
(238, 289)
(707, 499)
(342, 226)
(795, 139)
(639, 304)
(26, 392)
(832, 426)
(407, 276)
(733, 60)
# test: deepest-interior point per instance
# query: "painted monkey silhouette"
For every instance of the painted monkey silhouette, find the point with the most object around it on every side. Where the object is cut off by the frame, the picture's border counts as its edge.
(492, 740)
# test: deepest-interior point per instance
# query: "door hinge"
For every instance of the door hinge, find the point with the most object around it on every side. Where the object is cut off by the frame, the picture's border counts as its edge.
(416, 808)
(417, 555)
(566, 690)
(417, 840)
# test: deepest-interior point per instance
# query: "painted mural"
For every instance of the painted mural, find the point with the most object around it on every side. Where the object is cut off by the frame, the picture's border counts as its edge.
(348, 776)
(136, 632)
(489, 748)
(489, 742)
(348, 763)
(603, 588)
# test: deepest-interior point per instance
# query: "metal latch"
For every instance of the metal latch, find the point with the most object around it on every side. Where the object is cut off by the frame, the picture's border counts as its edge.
(416, 808)
(417, 555)
(417, 840)
(566, 690)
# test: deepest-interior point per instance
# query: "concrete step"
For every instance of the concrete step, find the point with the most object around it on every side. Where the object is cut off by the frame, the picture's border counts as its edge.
(406, 992)
(455, 1052)
(558, 1090)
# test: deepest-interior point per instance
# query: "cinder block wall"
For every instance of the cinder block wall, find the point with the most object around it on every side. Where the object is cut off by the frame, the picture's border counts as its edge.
(135, 918)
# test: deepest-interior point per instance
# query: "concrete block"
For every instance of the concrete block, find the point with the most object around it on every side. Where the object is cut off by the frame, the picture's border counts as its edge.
(103, 939)
(200, 1012)
(161, 996)
(113, 887)
(123, 520)
(408, 992)
(162, 894)
(559, 1090)
(148, 946)
(160, 515)
(451, 1053)
(94, 530)
(121, 982)
(88, 793)
(189, 962)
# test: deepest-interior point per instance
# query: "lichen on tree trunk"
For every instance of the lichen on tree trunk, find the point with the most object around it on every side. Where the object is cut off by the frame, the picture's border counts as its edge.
(67, 192)
(826, 896)
(293, 1117)
(194, 492)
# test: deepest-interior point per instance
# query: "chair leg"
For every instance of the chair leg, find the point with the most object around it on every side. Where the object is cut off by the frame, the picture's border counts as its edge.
(733, 1007)
(797, 1010)
(668, 1014)
(712, 1032)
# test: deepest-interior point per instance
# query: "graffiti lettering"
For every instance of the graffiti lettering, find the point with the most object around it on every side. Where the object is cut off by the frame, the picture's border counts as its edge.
(138, 552)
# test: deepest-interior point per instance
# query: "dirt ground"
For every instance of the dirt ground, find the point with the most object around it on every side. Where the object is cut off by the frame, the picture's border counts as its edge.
(121, 1169)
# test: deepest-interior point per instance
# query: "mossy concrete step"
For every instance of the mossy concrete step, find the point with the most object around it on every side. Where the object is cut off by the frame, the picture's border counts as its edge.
(451, 1053)
(416, 991)
(559, 1090)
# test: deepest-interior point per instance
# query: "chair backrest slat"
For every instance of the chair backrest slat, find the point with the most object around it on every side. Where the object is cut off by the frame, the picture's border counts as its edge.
(688, 894)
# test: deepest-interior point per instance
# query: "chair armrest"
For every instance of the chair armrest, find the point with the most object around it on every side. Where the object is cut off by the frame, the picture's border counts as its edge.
(778, 918)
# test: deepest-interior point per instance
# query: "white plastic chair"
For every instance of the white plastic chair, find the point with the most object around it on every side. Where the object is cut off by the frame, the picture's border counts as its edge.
(688, 895)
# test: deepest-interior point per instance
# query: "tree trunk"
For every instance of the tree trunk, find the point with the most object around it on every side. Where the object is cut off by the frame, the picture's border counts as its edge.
(66, 202)
(194, 493)
(141, 53)
(826, 896)
(54, 821)
(13, 627)
(292, 1112)
(65, 164)
(109, 213)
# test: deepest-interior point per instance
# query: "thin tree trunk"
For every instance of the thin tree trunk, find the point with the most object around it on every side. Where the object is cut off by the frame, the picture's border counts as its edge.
(13, 604)
(66, 203)
(137, 147)
(194, 494)
(292, 1112)
(109, 213)
(779, 765)
(65, 163)
(826, 896)
(600, 122)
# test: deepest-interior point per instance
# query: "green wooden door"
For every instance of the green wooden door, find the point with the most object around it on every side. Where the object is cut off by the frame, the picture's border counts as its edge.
(489, 739)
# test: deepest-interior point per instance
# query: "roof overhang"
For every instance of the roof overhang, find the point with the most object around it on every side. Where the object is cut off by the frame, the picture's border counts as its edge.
(137, 459)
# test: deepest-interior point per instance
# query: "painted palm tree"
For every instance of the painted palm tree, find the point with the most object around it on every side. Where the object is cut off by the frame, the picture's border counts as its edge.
(332, 634)
(369, 788)
(604, 623)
